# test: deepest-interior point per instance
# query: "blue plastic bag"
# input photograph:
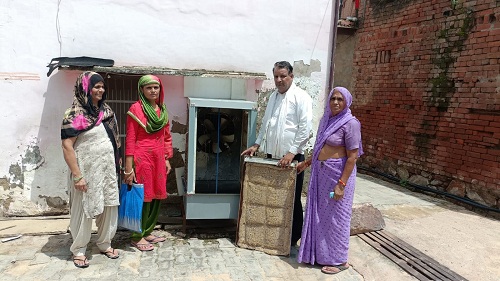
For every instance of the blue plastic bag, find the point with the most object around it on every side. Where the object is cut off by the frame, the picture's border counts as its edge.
(130, 209)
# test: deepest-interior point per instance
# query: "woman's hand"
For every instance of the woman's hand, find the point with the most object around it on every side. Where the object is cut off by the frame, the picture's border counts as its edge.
(81, 185)
(301, 167)
(129, 176)
(339, 191)
(128, 172)
(169, 168)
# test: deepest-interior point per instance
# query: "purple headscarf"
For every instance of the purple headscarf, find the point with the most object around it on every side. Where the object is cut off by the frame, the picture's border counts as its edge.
(330, 124)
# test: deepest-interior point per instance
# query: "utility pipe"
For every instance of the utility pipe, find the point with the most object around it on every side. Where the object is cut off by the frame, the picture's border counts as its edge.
(428, 189)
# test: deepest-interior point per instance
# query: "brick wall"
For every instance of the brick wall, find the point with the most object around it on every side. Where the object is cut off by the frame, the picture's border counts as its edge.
(427, 92)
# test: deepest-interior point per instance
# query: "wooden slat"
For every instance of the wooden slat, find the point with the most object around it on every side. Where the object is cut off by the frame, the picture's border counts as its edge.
(407, 257)
(418, 258)
(393, 258)
(435, 264)
(413, 259)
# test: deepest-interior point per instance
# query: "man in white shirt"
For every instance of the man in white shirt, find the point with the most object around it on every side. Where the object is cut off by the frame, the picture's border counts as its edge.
(285, 130)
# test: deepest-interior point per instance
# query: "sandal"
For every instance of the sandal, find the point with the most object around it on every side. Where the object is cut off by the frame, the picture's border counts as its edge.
(85, 263)
(143, 247)
(153, 239)
(111, 253)
(334, 269)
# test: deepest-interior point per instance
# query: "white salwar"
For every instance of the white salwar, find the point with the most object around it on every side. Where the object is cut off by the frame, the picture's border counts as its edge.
(95, 156)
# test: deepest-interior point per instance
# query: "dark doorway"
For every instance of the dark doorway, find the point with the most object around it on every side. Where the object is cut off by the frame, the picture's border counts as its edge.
(121, 93)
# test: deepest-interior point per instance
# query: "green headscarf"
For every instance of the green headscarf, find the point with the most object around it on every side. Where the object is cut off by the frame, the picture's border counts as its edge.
(154, 123)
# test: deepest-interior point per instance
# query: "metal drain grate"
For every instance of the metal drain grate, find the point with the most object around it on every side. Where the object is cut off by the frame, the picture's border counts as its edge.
(408, 258)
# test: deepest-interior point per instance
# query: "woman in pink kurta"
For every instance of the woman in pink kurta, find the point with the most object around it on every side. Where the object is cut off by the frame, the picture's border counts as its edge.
(148, 147)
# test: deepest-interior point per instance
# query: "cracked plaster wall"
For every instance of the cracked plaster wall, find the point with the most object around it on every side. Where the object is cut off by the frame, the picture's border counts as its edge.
(33, 174)
(20, 194)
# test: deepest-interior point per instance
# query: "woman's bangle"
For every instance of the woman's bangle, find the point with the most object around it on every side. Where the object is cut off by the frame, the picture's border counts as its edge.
(125, 173)
(77, 179)
(342, 183)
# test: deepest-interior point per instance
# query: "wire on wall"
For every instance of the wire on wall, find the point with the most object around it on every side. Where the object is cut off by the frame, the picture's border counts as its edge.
(58, 28)
(319, 30)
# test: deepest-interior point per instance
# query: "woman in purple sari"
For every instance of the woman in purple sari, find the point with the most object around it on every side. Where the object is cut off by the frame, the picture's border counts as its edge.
(325, 235)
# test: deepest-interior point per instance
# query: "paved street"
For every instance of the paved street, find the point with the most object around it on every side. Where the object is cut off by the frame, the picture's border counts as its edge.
(47, 258)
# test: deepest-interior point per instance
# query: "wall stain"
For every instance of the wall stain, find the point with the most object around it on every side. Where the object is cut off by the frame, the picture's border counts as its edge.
(179, 128)
(54, 202)
(5, 204)
(303, 70)
(4, 183)
(16, 178)
(175, 162)
(32, 159)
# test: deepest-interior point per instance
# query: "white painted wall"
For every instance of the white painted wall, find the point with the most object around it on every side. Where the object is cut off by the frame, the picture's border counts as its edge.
(205, 34)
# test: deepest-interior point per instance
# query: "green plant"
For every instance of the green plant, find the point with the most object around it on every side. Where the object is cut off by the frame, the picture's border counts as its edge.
(443, 86)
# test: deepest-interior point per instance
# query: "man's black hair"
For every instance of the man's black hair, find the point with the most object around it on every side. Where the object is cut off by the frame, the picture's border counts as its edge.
(284, 64)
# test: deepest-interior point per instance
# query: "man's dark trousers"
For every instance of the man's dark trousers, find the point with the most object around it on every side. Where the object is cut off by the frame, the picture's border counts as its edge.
(298, 212)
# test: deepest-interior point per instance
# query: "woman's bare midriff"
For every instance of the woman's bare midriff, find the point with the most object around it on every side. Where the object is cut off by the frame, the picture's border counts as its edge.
(331, 152)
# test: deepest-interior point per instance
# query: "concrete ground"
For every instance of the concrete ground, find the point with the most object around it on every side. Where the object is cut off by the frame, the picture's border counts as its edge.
(465, 242)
